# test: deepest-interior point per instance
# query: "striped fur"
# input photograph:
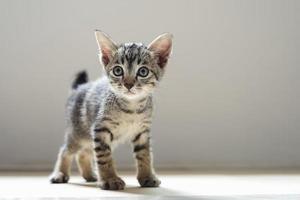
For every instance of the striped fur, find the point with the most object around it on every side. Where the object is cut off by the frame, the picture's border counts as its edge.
(111, 110)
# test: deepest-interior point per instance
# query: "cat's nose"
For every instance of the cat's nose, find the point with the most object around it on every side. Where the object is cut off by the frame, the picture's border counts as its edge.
(128, 85)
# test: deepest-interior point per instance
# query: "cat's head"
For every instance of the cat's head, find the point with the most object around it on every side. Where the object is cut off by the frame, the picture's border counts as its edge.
(133, 69)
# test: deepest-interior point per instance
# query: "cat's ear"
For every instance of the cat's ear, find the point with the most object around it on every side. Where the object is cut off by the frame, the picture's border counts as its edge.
(107, 47)
(162, 47)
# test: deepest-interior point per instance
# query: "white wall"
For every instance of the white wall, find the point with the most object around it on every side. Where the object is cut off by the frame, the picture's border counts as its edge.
(230, 97)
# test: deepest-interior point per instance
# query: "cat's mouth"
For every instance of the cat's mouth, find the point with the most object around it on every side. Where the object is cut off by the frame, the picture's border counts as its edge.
(129, 93)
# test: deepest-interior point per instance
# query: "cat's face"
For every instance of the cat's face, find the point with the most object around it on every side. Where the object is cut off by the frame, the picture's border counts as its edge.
(134, 69)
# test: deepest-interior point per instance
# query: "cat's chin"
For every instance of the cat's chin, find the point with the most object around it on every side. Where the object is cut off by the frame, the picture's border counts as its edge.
(133, 95)
(130, 95)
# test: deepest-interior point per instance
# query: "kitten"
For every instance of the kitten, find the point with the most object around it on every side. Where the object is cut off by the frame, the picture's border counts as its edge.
(115, 108)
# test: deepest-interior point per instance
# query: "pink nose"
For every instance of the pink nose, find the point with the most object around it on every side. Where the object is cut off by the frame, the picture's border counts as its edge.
(128, 85)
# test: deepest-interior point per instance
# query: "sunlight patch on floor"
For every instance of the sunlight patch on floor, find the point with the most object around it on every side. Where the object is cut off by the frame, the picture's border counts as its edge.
(174, 184)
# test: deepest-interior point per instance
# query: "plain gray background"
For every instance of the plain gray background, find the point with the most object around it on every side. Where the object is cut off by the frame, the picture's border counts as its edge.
(230, 97)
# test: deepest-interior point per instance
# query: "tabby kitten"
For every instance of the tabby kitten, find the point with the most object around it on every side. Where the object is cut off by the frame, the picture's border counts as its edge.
(113, 109)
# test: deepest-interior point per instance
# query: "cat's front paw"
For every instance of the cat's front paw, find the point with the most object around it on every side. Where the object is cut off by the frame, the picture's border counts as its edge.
(115, 183)
(150, 181)
(59, 177)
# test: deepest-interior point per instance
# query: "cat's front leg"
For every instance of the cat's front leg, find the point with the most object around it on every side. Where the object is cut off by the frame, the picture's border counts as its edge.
(142, 150)
(108, 178)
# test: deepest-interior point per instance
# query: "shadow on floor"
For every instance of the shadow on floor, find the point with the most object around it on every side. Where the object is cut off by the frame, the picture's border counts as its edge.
(130, 189)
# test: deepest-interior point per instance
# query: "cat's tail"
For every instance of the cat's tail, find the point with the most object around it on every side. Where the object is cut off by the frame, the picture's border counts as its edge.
(81, 78)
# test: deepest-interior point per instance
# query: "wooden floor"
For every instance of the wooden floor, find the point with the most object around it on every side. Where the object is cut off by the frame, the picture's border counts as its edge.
(175, 185)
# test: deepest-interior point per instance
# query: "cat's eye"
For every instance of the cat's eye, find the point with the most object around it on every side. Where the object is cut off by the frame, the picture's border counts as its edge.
(143, 72)
(118, 71)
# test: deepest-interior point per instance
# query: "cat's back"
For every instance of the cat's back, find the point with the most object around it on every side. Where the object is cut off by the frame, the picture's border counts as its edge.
(84, 102)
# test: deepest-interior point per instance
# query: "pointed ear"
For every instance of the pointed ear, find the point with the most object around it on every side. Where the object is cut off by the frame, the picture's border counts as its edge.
(162, 47)
(107, 47)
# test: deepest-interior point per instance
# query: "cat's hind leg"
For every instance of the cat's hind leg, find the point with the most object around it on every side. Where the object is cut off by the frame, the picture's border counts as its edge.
(62, 169)
(61, 172)
(85, 162)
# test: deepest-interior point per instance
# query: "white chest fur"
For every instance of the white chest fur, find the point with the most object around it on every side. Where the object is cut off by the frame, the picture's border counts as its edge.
(129, 126)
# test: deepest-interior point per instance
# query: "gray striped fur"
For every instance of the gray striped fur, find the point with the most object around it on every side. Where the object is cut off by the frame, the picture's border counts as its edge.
(104, 113)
